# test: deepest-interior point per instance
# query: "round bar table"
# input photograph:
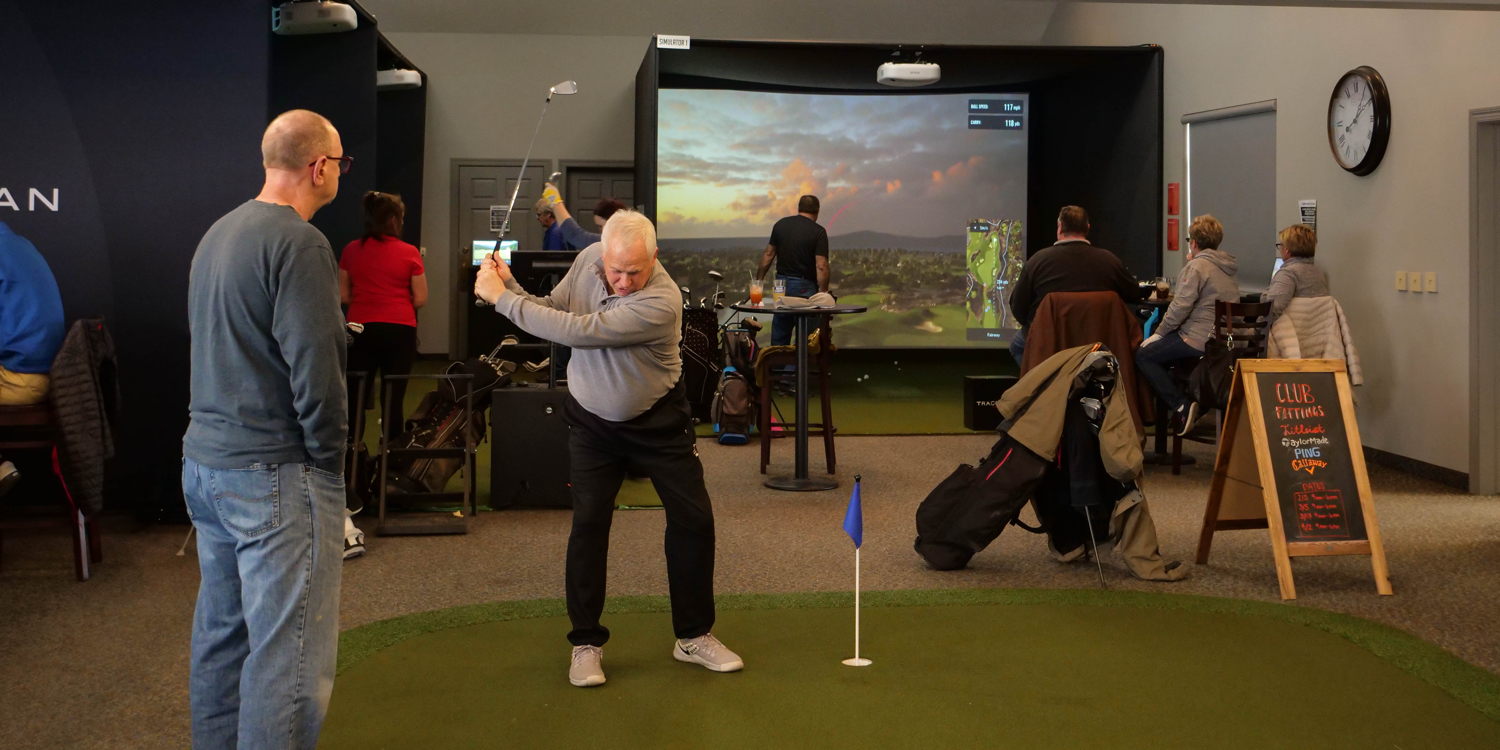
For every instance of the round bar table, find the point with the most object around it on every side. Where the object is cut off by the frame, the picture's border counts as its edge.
(800, 481)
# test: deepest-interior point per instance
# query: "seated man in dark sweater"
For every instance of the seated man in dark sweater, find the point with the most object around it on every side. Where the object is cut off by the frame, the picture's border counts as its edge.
(1071, 265)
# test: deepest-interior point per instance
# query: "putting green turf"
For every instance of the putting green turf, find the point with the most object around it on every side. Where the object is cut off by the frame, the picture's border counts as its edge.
(1044, 669)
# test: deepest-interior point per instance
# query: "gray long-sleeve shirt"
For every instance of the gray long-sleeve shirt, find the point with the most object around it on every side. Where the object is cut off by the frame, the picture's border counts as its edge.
(626, 350)
(1297, 277)
(267, 344)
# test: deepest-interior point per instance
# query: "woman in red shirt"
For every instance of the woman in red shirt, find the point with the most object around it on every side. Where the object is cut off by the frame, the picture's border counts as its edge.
(383, 282)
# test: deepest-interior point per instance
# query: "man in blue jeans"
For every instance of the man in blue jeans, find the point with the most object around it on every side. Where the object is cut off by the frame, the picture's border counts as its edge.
(799, 247)
(263, 455)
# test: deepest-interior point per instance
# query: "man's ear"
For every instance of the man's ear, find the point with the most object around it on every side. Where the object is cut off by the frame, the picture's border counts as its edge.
(317, 175)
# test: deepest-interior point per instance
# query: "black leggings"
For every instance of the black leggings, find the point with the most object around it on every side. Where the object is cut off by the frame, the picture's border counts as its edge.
(390, 349)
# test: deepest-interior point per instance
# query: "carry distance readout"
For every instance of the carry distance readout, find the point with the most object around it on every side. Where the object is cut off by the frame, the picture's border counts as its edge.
(997, 114)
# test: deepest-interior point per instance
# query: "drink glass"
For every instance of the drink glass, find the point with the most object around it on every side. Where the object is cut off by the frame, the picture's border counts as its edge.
(1163, 287)
(778, 290)
(757, 289)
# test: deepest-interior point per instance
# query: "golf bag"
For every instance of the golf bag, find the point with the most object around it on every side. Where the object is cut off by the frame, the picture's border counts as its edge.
(700, 359)
(734, 405)
(970, 508)
(441, 421)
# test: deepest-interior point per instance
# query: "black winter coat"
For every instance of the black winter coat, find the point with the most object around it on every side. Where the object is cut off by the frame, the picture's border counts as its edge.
(86, 398)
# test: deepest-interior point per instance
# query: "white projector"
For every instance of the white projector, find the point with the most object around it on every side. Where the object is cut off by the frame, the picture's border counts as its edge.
(395, 80)
(908, 74)
(313, 18)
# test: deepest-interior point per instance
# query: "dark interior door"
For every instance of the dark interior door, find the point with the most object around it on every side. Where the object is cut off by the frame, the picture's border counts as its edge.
(586, 185)
(481, 186)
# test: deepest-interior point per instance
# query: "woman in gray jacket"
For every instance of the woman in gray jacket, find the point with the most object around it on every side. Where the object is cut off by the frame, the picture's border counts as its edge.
(1297, 277)
(1207, 278)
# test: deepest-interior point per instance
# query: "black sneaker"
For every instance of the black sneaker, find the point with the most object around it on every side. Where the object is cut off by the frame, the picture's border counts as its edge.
(1185, 417)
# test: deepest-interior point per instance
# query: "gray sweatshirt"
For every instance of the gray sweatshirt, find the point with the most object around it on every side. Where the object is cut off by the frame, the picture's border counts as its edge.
(1206, 279)
(626, 353)
(1298, 277)
(267, 344)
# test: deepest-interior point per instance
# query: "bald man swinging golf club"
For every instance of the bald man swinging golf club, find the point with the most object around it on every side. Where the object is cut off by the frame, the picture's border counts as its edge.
(626, 410)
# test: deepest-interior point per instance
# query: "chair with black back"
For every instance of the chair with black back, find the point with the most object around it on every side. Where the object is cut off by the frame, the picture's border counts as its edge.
(1244, 329)
(774, 365)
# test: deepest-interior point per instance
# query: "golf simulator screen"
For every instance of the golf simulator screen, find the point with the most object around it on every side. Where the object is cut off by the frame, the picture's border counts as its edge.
(923, 197)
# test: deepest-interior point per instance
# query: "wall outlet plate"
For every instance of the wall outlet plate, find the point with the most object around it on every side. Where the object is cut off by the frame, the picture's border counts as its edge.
(1400, 281)
(1414, 280)
(1430, 282)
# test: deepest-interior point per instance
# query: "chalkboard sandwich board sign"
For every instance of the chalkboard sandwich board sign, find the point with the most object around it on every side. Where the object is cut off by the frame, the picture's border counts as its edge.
(1290, 461)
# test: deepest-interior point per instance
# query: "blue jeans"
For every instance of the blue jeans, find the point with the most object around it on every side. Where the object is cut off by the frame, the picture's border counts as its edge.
(1151, 362)
(266, 628)
(782, 326)
(1018, 346)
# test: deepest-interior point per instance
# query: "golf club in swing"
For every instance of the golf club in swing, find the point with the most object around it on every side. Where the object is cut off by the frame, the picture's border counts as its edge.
(566, 88)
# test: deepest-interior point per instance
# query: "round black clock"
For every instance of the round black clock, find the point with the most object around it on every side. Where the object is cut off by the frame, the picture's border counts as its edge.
(1359, 120)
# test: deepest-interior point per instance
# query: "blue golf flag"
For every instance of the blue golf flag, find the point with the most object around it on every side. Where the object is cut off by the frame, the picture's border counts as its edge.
(854, 519)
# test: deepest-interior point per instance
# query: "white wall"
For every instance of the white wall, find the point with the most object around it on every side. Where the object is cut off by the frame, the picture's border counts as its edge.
(1411, 214)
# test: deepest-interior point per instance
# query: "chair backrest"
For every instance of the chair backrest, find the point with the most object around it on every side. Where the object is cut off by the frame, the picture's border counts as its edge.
(1244, 326)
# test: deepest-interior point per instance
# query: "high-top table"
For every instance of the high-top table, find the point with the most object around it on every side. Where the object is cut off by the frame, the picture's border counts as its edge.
(800, 481)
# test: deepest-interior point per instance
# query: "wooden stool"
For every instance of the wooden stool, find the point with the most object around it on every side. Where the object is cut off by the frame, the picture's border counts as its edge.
(33, 427)
(773, 357)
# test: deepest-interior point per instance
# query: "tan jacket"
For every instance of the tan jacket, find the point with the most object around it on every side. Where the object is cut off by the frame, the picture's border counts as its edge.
(1315, 328)
(1043, 394)
(1036, 403)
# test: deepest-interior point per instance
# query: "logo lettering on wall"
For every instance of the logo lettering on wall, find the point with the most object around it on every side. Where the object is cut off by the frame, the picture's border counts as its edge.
(33, 197)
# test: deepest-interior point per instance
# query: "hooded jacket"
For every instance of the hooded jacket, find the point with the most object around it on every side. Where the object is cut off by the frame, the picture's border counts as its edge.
(1034, 412)
(1315, 328)
(1206, 279)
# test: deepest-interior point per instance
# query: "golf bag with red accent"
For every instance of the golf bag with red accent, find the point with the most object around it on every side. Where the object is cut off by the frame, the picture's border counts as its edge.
(969, 509)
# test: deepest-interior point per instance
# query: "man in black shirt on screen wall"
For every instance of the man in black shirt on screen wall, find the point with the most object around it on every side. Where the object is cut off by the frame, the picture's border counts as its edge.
(1071, 265)
(799, 246)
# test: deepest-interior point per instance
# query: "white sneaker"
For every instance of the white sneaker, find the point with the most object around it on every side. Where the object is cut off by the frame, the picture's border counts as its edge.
(588, 666)
(354, 539)
(8, 476)
(707, 651)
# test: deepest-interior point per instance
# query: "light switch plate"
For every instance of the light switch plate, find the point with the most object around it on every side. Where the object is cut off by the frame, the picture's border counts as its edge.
(1431, 282)
(1414, 280)
(1400, 281)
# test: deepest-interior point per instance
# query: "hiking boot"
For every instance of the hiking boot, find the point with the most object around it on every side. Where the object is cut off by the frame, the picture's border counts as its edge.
(588, 666)
(707, 651)
(1184, 418)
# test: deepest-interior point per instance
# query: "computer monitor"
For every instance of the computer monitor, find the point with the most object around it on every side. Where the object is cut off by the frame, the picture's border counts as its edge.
(483, 248)
(533, 267)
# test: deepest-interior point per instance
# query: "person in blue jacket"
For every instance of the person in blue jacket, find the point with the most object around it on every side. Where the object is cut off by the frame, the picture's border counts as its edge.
(31, 329)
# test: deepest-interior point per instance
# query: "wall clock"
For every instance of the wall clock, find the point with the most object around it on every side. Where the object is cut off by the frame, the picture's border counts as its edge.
(1359, 120)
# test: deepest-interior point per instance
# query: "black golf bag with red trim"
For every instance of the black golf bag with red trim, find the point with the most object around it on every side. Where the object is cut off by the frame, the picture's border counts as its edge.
(969, 509)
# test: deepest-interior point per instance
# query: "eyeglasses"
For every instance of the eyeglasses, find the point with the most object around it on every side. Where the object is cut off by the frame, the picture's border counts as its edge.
(1278, 246)
(345, 162)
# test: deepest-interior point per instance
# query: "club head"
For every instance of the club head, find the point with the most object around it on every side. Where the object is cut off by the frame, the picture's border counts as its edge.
(509, 341)
(718, 305)
(702, 303)
(715, 275)
(554, 177)
(565, 88)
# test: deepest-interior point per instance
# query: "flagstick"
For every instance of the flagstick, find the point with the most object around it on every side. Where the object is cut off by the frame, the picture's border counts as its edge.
(856, 661)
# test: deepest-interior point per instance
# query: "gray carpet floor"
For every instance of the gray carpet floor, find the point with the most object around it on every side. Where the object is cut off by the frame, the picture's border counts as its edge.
(104, 664)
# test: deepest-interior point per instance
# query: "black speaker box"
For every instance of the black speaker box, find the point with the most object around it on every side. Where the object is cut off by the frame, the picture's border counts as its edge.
(981, 392)
(529, 449)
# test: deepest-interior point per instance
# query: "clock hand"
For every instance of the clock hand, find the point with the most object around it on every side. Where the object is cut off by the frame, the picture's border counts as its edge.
(1356, 115)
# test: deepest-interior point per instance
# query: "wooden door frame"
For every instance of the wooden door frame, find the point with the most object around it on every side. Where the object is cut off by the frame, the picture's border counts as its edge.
(1484, 303)
(458, 319)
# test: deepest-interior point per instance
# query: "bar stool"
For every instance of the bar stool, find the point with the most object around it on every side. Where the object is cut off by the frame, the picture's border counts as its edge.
(773, 357)
(33, 427)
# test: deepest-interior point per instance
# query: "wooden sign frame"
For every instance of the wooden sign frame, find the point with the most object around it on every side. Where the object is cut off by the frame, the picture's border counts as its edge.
(1244, 493)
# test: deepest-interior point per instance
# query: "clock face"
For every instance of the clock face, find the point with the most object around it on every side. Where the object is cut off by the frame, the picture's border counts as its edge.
(1351, 121)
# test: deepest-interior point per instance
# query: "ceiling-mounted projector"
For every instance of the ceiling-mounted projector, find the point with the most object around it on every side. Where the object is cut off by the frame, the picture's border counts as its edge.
(908, 74)
(395, 80)
(313, 18)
